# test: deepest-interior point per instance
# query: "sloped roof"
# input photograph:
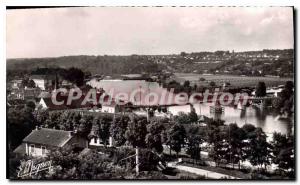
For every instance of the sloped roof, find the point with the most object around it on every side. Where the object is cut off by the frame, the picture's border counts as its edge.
(75, 104)
(43, 77)
(52, 106)
(48, 137)
(20, 149)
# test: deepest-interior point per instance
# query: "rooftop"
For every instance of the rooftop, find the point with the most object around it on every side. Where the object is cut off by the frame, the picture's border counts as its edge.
(49, 137)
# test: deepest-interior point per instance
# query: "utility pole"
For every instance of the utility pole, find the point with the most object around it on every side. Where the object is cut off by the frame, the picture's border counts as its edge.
(245, 115)
(137, 160)
(230, 161)
(140, 95)
(136, 155)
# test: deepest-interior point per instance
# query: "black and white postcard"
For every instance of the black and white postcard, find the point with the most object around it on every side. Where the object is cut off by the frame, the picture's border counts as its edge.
(150, 93)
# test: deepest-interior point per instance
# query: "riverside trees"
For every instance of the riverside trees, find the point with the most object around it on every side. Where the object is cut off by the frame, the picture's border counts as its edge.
(226, 144)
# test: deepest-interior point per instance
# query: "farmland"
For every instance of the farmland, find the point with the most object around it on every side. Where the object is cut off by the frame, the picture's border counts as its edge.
(237, 81)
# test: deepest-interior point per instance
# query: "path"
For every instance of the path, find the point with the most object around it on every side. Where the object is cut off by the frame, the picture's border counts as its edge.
(209, 174)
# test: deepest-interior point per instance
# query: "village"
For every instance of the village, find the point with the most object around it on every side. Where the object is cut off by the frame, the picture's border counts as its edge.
(174, 146)
(150, 93)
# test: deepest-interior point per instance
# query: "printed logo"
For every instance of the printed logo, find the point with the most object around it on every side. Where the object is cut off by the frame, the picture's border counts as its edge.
(28, 168)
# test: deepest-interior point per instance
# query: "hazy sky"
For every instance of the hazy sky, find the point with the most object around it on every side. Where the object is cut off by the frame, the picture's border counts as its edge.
(125, 31)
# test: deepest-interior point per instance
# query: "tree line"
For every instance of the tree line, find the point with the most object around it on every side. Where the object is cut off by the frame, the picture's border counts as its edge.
(228, 144)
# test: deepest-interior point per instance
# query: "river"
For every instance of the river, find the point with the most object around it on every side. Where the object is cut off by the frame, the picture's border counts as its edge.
(265, 119)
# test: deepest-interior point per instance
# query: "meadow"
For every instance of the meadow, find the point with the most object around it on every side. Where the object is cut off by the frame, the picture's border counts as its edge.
(235, 81)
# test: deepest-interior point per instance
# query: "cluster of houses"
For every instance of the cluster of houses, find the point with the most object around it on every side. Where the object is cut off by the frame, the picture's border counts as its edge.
(45, 85)
(42, 140)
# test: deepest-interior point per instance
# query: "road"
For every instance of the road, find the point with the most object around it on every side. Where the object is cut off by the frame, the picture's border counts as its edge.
(209, 174)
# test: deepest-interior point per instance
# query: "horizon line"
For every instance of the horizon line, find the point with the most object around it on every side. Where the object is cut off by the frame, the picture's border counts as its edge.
(240, 51)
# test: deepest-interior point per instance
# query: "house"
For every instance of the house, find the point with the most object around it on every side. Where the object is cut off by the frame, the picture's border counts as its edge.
(66, 83)
(110, 108)
(48, 104)
(41, 140)
(43, 81)
(273, 91)
(24, 93)
(96, 142)
(16, 84)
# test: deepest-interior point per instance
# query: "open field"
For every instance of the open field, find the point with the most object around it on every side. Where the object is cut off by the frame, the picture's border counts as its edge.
(236, 81)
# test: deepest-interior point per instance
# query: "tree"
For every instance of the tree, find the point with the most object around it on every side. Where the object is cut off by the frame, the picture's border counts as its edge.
(136, 132)
(286, 98)
(31, 84)
(220, 146)
(186, 83)
(95, 131)
(213, 130)
(182, 118)
(41, 116)
(104, 126)
(28, 83)
(195, 87)
(183, 54)
(154, 137)
(248, 129)
(195, 138)
(259, 148)
(236, 136)
(201, 79)
(261, 89)
(135, 136)
(212, 83)
(289, 86)
(20, 123)
(85, 125)
(220, 151)
(193, 117)
(283, 153)
(74, 75)
(176, 137)
(30, 105)
(118, 129)
(187, 86)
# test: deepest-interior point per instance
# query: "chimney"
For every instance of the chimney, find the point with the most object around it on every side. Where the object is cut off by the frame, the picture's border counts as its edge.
(37, 127)
(72, 133)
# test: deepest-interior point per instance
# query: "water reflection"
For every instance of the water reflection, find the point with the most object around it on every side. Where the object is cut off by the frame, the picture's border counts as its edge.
(263, 118)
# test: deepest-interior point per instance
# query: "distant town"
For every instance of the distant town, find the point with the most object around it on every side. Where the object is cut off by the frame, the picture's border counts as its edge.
(277, 63)
(204, 140)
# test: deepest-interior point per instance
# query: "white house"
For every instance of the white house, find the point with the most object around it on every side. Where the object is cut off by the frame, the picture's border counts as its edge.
(41, 140)
(109, 109)
(96, 141)
(43, 81)
(274, 91)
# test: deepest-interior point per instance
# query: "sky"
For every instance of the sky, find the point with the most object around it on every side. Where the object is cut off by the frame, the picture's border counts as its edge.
(53, 32)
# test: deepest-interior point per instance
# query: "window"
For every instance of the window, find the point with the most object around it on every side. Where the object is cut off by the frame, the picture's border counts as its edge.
(95, 140)
(31, 148)
(43, 150)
